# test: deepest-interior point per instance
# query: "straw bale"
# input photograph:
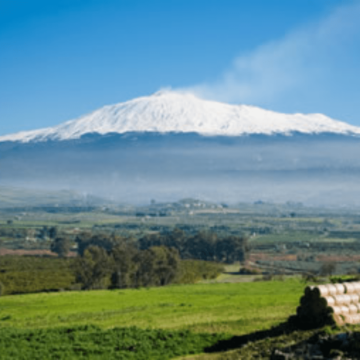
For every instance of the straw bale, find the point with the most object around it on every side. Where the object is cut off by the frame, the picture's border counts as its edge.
(332, 290)
(356, 318)
(340, 288)
(355, 298)
(321, 290)
(335, 310)
(349, 288)
(324, 304)
(352, 319)
(353, 309)
(338, 319)
(346, 299)
(328, 301)
(343, 299)
(348, 319)
(338, 299)
(356, 286)
(344, 310)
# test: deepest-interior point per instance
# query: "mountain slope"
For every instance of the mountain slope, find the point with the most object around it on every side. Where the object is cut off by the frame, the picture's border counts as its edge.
(169, 111)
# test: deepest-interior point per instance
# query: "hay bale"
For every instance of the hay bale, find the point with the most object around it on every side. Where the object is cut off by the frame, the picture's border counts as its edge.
(326, 304)
(327, 301)
(349, 288)
(356, 318)
(348, 319)
(352, 319)
(353, 309)
(321, 291)
(334, 310)
(343, 299)
(338, 319)
(332, 290)
(340, 288)
(355, 298)
(344, 310)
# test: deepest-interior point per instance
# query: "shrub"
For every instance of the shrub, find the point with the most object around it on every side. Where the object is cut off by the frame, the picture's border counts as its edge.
(195, 270)
(249, 271)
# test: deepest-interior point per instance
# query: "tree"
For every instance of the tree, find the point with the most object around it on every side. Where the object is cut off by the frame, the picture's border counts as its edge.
(327, 268)
(93, 269)
(106, 241)
(124, 266)
(60, 246)
(2, 288)
(157, 266)
(53, 232)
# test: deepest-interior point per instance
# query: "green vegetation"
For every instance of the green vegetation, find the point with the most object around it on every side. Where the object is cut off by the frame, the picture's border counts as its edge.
(232, 308)
(146, 323)
(30, 274)
(133, 252)
(27, 274)
(192, 271)
(92, 342)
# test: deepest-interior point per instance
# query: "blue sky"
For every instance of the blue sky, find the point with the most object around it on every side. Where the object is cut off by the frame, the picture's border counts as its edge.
(60, 59)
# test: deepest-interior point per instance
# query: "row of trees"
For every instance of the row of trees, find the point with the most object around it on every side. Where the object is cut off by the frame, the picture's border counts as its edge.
(125, 267)
(203, 245)
(109, 261)
(206, 246)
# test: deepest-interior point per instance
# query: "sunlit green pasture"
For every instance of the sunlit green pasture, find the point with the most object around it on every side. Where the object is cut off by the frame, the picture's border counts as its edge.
(235, 308)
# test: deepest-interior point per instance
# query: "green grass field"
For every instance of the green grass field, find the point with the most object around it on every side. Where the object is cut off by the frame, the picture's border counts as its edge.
(147, 323)
(236, 308)
(170, 322)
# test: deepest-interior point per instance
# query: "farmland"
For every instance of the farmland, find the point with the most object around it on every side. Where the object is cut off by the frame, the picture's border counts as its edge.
(236, 308)
(222, 309)
(237, 312)
(242, 320)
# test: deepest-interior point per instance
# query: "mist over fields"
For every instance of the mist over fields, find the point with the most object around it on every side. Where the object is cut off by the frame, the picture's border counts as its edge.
(318, 169)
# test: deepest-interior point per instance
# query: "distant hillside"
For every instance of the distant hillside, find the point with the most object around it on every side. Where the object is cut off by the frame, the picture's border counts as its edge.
(21, 197)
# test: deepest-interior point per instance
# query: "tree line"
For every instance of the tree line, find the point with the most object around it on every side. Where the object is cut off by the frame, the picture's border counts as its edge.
(203, 245)
(125, 266)
(111, 261)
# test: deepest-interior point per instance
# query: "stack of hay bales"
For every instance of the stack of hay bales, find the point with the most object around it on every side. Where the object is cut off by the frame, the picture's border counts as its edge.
(328, 304)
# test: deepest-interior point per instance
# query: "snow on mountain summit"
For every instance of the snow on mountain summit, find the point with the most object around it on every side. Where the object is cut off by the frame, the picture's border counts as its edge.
(170, 111)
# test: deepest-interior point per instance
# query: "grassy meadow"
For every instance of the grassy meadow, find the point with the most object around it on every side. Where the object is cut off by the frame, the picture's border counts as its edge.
(145, 323)
(234, 308)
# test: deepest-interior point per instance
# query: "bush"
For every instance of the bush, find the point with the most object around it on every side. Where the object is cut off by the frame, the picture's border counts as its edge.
(192, 271)
(249, 271)
(2, 288)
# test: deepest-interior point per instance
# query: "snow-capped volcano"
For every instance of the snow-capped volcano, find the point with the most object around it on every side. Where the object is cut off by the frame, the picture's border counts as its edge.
(170, 111)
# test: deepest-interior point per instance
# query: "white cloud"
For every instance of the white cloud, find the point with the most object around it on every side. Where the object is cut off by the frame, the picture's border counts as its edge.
(304, 71)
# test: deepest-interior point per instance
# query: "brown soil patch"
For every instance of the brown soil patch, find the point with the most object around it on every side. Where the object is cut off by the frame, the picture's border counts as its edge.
(22, 252)
(279, 257)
